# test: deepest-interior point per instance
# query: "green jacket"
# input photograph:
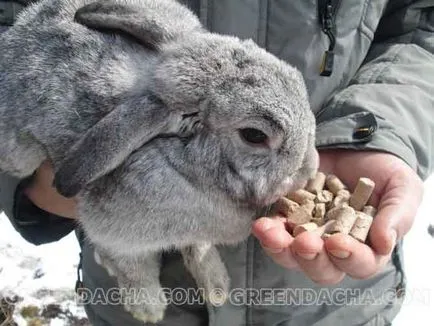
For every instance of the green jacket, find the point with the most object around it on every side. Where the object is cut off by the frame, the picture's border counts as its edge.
(382, 79)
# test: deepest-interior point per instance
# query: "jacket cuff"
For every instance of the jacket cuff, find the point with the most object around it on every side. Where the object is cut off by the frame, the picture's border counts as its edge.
(8, 185)
(34, 224)
(363, 131)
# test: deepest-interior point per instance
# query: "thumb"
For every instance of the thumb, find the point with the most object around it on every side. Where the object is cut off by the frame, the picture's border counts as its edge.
(397, 209)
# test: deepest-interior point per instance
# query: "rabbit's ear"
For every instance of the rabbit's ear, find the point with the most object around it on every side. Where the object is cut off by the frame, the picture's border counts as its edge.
(151, 24)
(106, 145)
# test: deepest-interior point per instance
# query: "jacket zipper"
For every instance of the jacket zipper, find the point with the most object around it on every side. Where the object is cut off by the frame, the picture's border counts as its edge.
(326, 14)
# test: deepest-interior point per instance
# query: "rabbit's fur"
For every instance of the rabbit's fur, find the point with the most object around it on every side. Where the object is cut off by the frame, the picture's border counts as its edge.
(150, 119)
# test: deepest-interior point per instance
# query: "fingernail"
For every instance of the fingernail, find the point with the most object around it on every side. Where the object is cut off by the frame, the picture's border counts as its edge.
(307, 256)
(342, 254)
(273, 250)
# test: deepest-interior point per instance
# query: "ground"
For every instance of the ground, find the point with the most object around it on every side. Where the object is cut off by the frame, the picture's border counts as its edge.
(39, 280)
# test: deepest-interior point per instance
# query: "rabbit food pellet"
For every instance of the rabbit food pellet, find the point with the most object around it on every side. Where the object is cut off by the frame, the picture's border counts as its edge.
(316, 184)
(313, 227)
(361, 226)
(302, 214)
(301, 195)
(326, 206)
(345, 217)
(285, 206)
(361, 194)
(334, 184)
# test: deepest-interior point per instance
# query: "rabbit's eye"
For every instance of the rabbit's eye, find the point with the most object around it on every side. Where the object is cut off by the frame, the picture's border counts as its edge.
(253, 136)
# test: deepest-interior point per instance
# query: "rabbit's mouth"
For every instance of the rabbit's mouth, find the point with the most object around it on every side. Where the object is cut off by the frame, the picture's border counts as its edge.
(286, 186)
(268, 201)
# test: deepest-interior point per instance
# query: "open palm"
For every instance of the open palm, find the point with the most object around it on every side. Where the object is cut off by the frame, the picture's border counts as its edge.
(397, 195)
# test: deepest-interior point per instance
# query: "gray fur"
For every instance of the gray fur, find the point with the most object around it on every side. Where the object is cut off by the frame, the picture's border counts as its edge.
(140, 111)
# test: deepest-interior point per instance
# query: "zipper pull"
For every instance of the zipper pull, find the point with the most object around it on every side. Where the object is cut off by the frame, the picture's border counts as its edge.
(326, 68)
(327, 26)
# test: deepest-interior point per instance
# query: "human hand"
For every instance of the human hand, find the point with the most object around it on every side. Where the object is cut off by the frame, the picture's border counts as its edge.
(398, 194)
(42, 193)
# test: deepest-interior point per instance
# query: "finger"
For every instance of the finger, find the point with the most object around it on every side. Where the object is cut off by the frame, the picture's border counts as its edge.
(45, 174)
(308, 250)
(272, 233)
(275, 240)
(354, 258)
(397, 210)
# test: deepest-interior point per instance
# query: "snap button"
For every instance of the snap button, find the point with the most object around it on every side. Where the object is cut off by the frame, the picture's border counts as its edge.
(365, 128)
(363, 132)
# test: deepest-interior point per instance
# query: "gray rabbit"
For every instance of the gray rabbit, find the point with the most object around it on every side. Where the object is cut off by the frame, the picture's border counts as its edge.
(171, 137)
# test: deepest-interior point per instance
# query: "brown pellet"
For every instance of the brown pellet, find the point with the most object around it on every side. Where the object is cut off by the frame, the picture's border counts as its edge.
(316, 185)
(361, 227)
(303, 228)
(313, 227)
(362, 193)
(309, 206)
(345, 218)
(334, 184)
(344, 193)
(370, 210)
(284, 206)
(319, 211)
(326, 206)
(325, 228)
(317, 221)
(300, 216)
(325, 197)
(333, 213)
(339, 201)
(300, 196)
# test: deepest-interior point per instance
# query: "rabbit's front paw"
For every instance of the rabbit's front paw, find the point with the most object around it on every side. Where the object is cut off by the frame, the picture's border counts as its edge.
(139, 288)
(204, 263)
(215, 284)
(147, 304)
(148, 313)
(105, 262)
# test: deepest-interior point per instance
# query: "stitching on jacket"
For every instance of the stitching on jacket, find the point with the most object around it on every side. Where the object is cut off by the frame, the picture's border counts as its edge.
(363, 28)
(339, 99)
(381, 73)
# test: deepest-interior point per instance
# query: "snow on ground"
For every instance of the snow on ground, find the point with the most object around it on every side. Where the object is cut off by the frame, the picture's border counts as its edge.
(419, 266)
(47, 273)
(40, 274)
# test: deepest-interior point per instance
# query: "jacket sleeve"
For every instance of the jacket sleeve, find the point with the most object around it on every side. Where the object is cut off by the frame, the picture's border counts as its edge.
(389, 104)
(8, 185)
(34, 224)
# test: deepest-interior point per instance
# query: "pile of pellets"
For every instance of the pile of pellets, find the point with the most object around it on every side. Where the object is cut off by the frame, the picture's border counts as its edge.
(326, 206)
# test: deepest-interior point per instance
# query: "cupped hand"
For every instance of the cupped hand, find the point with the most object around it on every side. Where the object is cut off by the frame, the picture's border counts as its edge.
(398, 194)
